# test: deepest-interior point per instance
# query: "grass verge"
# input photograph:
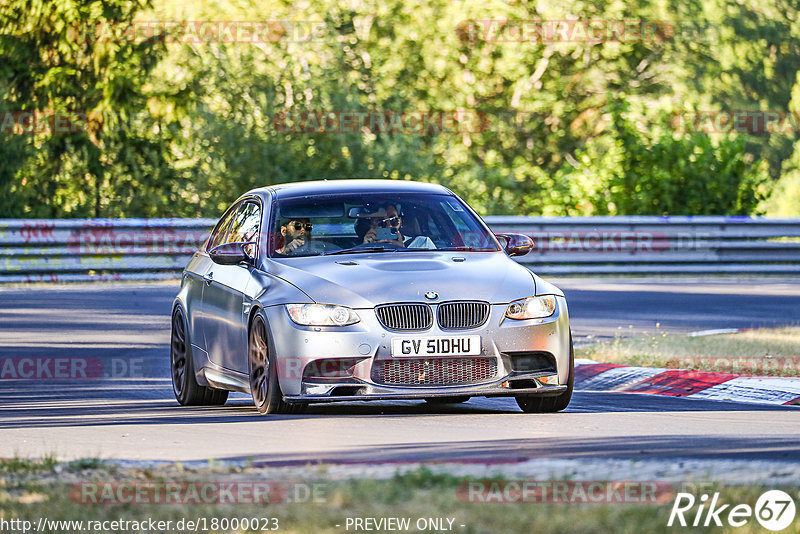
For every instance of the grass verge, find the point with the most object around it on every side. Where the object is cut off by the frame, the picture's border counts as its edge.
(764, 352)
(25, 465)
(417, 495)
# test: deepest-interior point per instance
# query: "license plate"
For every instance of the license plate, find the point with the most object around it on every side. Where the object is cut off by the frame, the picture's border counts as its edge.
(436, 346)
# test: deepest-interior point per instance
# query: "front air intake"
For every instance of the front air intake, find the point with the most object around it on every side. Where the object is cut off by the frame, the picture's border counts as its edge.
(434, 371)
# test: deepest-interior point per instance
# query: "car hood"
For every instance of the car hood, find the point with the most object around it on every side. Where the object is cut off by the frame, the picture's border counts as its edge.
(366, 280)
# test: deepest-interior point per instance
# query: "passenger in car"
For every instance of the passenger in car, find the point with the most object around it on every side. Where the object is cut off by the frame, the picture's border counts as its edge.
(390, 218)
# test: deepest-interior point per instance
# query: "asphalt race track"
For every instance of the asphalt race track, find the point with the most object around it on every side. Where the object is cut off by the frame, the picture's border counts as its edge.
(131, 414)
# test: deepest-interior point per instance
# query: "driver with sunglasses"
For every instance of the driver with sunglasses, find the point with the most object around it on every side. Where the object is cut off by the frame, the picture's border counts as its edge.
(294, 232)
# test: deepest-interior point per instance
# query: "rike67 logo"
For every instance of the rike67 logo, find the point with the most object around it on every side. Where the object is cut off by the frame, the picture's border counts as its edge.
(774, 510)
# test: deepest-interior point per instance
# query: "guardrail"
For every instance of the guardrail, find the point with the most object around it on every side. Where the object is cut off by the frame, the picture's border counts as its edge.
(37, 250)
(648, 244)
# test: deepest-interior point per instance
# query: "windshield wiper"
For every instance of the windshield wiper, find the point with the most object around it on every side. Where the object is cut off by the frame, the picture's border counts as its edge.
(467, 249)
(359, 249)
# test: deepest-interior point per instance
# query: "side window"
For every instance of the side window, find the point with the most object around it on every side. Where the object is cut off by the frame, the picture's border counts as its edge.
(221, 230)
(246, 224)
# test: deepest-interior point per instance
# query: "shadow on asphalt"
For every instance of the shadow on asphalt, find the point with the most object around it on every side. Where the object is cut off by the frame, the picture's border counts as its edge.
(52, 404)
(523, 450)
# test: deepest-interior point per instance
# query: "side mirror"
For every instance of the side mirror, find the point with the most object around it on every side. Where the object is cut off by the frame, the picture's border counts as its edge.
(233, 253)
(516, 244)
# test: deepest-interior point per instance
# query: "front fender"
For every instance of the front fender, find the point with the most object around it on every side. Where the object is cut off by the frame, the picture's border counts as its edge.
(265, 289)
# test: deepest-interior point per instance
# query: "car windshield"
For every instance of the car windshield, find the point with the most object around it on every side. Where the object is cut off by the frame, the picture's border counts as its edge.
(373, 222)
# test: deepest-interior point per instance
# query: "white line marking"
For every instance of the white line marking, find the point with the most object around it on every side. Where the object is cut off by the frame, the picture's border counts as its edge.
(714, 332)
(619, 378)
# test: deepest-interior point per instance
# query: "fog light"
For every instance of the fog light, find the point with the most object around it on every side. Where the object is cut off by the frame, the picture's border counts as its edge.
(551, 380)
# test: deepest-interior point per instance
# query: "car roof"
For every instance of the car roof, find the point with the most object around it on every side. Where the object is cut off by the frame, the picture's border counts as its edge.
(349, 185)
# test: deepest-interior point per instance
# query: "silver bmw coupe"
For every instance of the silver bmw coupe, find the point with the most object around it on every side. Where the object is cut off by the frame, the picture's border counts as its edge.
(354, 290)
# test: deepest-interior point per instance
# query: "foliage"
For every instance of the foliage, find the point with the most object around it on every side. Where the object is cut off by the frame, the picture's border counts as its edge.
(566, 127)
(664, 174)
(49, 66)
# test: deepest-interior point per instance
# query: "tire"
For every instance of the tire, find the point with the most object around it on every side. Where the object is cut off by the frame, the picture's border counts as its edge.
(184, 385)
(539, 404)
(447, 400)
(262, 371)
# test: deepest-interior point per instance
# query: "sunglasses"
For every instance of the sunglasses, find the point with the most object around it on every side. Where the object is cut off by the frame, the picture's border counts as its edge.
(391, 221)
(299, 226)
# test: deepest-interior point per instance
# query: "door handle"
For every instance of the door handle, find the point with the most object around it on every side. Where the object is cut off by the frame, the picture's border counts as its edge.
(209, 278)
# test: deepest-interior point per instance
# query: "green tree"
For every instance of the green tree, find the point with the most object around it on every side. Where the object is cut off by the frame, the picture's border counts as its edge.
(183, 129)
(50, 63)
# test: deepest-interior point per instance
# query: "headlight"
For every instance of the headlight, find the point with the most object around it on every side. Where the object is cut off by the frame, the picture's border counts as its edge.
(532, 308)
(322, 315)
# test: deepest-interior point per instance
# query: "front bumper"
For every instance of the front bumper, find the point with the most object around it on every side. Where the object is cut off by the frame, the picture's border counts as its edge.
(367, 344)
(370, 392)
